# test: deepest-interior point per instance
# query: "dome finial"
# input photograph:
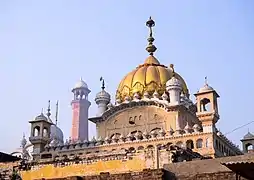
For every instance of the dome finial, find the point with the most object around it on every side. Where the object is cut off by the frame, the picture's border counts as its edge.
(48, 110)
(150, 47)
(103, 83)
(173, 70)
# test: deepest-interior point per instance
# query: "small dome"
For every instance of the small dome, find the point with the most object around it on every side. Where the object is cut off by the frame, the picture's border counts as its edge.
(80, 84)
(41, 117)
(102, 95)
(205, 88)
(56, 133)
(248, 136)
(173, 82)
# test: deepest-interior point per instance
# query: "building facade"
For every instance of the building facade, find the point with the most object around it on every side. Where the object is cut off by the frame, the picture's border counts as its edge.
(152, 123)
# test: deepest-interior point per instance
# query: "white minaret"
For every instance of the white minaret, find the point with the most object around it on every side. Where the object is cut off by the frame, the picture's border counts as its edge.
(80, 106)
(174, 88)
(102, 99)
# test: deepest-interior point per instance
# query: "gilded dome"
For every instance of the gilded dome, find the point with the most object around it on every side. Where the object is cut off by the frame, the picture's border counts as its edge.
(148, 77)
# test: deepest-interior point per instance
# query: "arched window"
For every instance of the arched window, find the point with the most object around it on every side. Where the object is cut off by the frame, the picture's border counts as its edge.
(179, 144)
(199, 143)
(249, 147)
(45, 132)
(205, 105)
(190, 144)
(36, 131)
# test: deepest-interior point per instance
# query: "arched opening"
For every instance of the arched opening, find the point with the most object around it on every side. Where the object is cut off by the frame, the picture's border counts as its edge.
(189, 144)
(36, 131)
(132, 149)
(205, 105)
(140, 148)
(249, 147)
(179, 144)
(45, 132)
(135, 133)
(156, 130)
(150, 147)
(199, 143)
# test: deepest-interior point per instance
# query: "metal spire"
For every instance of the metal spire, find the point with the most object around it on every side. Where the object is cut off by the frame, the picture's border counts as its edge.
(150, 47)
(56, 112)
(103, 83)
(173, 70)
(48, 110)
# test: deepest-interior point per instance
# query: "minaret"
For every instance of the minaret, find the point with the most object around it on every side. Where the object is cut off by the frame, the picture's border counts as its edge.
(174, 88)
(40, 134)
(207, 107)
(80, 106)
(102, 99)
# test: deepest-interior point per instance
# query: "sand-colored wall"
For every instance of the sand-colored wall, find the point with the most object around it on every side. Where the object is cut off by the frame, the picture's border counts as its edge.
(145, 118)
(113, 166)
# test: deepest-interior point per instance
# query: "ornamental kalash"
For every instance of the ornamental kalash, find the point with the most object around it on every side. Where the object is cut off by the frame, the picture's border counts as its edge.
(152, 123)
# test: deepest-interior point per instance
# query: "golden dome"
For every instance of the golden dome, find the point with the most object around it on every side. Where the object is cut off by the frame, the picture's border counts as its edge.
(148, 77)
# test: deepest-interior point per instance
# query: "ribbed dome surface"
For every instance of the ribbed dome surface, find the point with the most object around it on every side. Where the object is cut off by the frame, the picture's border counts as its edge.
(147, 77)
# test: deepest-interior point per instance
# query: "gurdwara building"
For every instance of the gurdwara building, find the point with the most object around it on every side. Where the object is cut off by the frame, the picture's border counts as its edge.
(152, 122)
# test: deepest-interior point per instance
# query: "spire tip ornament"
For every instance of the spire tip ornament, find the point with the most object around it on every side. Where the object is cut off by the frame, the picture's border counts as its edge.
(173, 70)
(48, 110)
(206, 82)
(151, 48)
(103, 83)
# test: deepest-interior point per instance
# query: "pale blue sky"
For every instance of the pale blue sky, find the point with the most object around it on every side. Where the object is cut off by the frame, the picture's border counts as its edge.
(46, 45)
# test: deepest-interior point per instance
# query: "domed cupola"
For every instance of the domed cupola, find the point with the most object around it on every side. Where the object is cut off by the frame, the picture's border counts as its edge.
(173, 82)
(148, 77)
(174, 88)
(206, 87)
(102, 99)
(81, 84)
(81, 90)
(248, 136)
(41, 117)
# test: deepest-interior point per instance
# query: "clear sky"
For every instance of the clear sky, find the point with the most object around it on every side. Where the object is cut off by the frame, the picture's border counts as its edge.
(47, 45)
